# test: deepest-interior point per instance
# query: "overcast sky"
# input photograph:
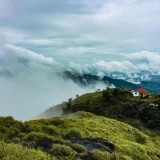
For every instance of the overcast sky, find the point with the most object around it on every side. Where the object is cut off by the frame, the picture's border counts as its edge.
(81, 26)
(41, 37)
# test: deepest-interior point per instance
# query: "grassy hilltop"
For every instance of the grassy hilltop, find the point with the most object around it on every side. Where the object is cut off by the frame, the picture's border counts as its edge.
(107, 125)
(121, 105)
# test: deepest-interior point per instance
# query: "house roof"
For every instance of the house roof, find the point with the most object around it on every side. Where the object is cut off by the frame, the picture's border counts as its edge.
(142, 90)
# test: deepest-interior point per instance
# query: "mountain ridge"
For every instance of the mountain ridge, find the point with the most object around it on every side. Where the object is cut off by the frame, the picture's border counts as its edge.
(85, 80)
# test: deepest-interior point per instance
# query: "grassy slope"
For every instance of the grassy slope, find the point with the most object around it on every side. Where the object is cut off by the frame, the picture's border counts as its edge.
(130, 142)
(54, 136)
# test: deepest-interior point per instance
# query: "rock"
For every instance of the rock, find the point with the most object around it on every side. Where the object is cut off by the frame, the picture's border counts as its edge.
(95, 143)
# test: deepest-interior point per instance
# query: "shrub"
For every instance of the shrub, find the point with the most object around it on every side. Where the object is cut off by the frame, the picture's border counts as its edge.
(62, 150)
(39, 139)
(140, 138)
(73, 133)
(34, 128)
(51, 130)
(17, 152)
(100, 155)
(79, 148)
(3, 129)
(56, 121)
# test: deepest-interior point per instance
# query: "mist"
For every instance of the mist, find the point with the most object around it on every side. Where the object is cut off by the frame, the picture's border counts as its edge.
(30, 83)
(25, 96)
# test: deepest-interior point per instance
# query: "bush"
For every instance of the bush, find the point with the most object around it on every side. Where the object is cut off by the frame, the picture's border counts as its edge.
(17, 152)
(39, 139)
(51, 130)
(79, 148)
(3, 129)
(62, 150)
(34, 128)
(56, 121)
(100, 155)
(73, 133)
(140, 138)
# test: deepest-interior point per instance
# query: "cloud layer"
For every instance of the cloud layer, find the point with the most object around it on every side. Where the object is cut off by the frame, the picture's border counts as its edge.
(30, 83)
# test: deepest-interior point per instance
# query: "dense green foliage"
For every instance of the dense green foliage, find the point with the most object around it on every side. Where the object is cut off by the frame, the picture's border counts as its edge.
(121, 105)
(56, 137)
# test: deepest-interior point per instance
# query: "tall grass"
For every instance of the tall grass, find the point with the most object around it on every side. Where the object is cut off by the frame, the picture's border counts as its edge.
(17, 152)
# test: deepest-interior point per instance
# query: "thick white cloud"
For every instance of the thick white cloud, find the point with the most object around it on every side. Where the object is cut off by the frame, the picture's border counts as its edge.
(115, 66)
(29, 83)
(144, 56)
(27, 55)
(148, 61)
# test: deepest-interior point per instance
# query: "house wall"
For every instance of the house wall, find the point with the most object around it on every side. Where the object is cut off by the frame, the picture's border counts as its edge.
(135, 94)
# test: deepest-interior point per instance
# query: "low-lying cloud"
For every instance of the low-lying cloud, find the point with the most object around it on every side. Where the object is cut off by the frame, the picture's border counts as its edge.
(29, 82)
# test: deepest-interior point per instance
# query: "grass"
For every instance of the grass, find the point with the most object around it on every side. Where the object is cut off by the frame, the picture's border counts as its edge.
(130, 143)
(18, 152)
(100, 155)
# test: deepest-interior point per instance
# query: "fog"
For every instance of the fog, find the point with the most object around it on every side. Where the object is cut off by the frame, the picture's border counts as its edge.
(25, 96)
(29, 83)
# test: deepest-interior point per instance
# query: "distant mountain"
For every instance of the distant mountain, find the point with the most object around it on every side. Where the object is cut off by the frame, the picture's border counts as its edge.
(84, 80)
(88, 79)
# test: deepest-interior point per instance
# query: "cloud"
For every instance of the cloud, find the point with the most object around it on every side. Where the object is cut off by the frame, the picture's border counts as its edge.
(30, 83)
(110, 26)
(27, 55)
(116, 66)
(144, 56)
(145, 60)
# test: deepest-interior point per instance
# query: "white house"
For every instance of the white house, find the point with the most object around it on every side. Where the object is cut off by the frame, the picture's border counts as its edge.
(140, 92)
(135, 93)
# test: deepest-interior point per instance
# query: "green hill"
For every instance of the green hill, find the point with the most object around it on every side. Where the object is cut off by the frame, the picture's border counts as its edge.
(79, 135)
(121, 105)
(106, 125)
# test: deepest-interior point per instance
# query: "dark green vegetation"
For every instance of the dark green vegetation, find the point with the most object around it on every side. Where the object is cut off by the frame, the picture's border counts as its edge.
(87, 79)
(121, 105)
(128, 130)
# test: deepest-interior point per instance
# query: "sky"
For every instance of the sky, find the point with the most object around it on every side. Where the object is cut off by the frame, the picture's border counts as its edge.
(40, 38)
